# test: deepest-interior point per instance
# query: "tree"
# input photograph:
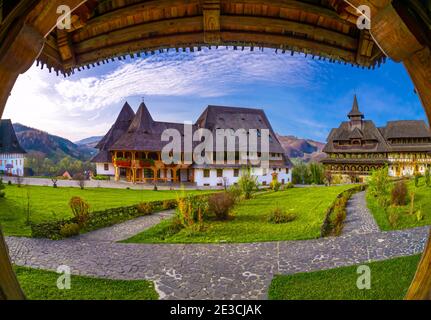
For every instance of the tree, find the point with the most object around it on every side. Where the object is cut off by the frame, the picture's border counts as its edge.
(316, 173)
(301, 174)
(380, 185)
(80, 178)
(247, 183)
(328, 177)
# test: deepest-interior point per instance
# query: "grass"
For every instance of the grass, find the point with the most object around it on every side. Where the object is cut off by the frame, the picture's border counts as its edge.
(250, 223)
(48, 203)
(42, 285)
(390, 280)
(422, 201)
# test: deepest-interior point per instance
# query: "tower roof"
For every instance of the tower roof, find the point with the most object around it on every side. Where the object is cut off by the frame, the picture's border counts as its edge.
(355, 110)
(120, 126)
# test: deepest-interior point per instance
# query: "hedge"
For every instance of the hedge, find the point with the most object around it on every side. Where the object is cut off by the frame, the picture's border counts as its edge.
(327, 226)
(100, 219)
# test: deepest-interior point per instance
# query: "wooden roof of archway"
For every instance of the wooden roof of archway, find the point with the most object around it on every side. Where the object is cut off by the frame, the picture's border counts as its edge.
(106, 29)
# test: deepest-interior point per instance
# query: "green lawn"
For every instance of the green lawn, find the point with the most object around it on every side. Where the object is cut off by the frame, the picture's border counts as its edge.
(390, 280)
(250, 219)
(48, 203)
(42, 285)
(422, 200)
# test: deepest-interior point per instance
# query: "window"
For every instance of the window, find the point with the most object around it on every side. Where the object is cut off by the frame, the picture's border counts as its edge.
(236, 172)
(287, 170)
(106, 166)
(219, 173)
(206, 173)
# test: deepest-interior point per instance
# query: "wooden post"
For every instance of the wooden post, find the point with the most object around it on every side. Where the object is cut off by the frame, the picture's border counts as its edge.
(9, 285)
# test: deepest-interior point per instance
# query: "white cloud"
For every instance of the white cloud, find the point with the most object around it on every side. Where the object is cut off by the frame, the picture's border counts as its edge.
(72, 107)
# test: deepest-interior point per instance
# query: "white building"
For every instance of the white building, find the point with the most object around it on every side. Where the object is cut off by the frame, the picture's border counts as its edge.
(131, 150)
(12, 156)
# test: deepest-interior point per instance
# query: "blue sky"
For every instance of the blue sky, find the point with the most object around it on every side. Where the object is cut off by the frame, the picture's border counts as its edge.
(301, 96)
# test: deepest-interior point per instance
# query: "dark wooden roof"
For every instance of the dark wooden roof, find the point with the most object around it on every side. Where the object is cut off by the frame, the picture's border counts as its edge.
(8, 141)
(120, 126)
(378, 139)
(114, 29)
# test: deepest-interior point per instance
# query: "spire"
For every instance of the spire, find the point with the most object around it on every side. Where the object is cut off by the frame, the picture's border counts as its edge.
(355, 114)
(126, 113)
(142, 120)
(120, 126)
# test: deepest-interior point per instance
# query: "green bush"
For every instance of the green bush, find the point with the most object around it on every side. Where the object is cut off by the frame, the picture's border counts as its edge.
(236, 193)
(69, 230)
(248, 183)
(380, 186)
(279, 215)
(145, 208)
(101, 178)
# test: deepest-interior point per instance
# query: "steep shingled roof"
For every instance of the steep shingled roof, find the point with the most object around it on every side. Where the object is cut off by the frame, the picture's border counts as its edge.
(145, 134)
(120, 126)
(8, 141)
(378, 139)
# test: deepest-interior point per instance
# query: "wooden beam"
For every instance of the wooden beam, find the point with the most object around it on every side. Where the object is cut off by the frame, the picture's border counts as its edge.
(9, 285)
(175, 41)
(315, 32)
(140, 33)
(293, 5)
(211, 21)
(127, 14)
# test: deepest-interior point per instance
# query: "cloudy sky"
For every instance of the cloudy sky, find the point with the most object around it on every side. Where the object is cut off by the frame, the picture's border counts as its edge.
(301, 96)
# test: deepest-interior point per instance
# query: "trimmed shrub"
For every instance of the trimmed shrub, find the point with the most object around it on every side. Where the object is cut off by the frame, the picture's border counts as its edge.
(169, 204)
(69, 230)
(101, 178)
(80, 210)
(278, 215)
(380, 186)
(220, 204)
(145, 208)
(399, 194)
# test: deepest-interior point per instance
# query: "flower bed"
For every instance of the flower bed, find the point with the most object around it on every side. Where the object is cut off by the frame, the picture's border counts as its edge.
(101, 219)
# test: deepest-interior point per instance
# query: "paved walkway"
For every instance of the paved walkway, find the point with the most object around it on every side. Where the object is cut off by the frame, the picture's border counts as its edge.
(212, 271)
(359, 219)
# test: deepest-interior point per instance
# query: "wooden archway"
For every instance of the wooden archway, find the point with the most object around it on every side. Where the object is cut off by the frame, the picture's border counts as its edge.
(323, 28)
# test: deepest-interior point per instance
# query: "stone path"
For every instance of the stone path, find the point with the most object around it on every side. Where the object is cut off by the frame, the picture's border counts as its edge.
(359, 219)
(126, 229)
(213, 271)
